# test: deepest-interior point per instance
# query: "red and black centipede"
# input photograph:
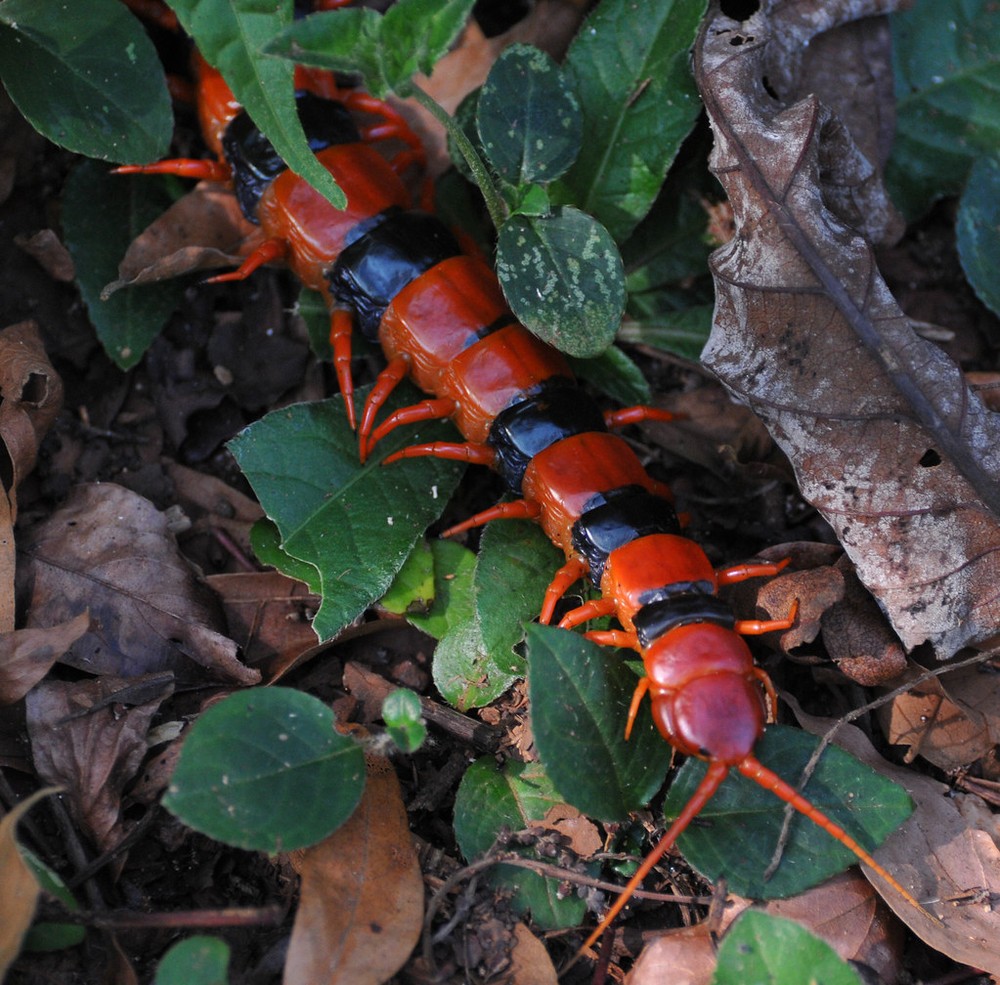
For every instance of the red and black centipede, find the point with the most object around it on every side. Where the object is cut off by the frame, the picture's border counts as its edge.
(398, 274)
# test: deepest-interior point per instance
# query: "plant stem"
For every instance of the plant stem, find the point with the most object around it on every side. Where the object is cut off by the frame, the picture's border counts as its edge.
(494, 203)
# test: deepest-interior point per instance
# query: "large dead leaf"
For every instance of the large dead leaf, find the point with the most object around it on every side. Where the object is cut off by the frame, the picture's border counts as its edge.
(30, 398)
(86, 739)
(362, 901)
(20, 887)
(110, 551)
(945, 854)
(886, 439)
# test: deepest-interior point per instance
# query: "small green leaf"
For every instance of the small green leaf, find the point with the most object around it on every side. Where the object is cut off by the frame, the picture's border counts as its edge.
(265, 539)
(199, 960)
(580, 695)
(563, 278)
(417, 33)
(86, 76)
(432, 587)
(978, 230)
(528, 118)
(615, 375)
(356, 524)
(231, 37)
(515, 797)
(631, 66)
(683, 332)
(476, 662)
(101, 215)
(47, 935)
(266, 770)
(739, 827)
(770, 950)
(402, 716)
(947, 60)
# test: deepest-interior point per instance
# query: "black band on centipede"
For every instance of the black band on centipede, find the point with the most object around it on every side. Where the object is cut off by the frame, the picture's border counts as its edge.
(617, 517)
(556, 410)
(655, 620)
(371, 271)
(254, 161)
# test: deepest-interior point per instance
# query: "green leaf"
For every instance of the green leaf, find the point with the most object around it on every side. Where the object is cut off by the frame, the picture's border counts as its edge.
(516, 797)
(476, 662)
(402, 716)
(386, 51)
(947, 60)
(230, 36)
(101, 215)
(265, 539)
(528, 118)
(580, 695)
(451, 572)
(199, 960)
(615, 375)
(771, 950)
(355, 524)
(739, 827)
(978, 230)
(563, 278)
(266, 770)
(684, 332)
(631, 65)
(86, 76)
(47, 935)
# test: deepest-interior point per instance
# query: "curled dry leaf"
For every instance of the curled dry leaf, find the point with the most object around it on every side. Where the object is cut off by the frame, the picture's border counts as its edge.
(362, 900)
(27, 654)
(85, 741)
(685, 956)
(886, 439)
(110, 551)
(204, 230)
(30, 398)
(950, 864)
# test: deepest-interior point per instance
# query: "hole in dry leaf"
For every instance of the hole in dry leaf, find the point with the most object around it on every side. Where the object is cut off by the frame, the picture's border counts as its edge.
(740, 10)
(767, 87)
(34, 389)
(930, 458)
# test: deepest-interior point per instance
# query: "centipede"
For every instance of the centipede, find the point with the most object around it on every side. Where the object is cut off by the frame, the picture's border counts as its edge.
(398, 275)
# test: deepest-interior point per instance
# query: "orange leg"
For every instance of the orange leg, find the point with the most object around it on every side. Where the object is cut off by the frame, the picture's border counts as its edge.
(754, 627)
(387, 381)
(200, 169)
(573, 570)
(341, 334)
(268, 251)
(741, 572)
(518, 509)
(633, 709)
(455, 451)
(615, 637)
(593, 609)
(426, 410)
(636, 415)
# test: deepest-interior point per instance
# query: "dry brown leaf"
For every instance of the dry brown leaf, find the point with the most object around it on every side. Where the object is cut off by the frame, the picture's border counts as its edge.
(110, 551)
(85, 739)
(27, 654)
(951, 865)
(269, 615)
(204, 230)
(362, 898)
(807, 334)
(20, 888)
(685, 956)
(530, 961)
(30, 398)
(48, 251)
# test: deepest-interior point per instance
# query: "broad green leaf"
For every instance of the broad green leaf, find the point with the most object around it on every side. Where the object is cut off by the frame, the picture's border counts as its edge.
(266, 770)
(101, 215)
(947, 60)
(684, 332)
(739, 827)
(580, 695)
(230, 35)
(631, 65)
(563, 278)
(86, 76)
(516, 797)
(768, 950)
(615, 375)
(199, 960)
(356, 524)
(265, 539)
(386, 51)
(978, 230)
(476, 662)
(528, 119)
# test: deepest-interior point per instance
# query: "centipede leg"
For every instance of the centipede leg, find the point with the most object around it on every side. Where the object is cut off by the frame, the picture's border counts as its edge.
(267, 252)
(741, 572)
(426, 410)
(198, 169)
(755, 627)
(455, 451)
(573, 570)
(341, 334)
(593, 609)
(518, 509)
(636, 415)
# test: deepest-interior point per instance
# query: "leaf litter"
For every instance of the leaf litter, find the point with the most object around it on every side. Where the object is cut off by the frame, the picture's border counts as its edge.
(92, 734)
